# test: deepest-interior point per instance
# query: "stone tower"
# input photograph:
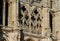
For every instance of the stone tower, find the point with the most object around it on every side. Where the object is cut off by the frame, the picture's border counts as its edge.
(39, 20)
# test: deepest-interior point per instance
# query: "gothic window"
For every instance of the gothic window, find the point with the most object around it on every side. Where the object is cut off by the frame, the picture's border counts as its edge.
(23, 15)
(30, 21)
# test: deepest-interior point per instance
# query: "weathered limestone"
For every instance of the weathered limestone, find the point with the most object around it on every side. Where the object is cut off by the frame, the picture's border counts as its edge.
(41, 28)
(45, 21)
(43, 10)
(12, 21)
(56, 20)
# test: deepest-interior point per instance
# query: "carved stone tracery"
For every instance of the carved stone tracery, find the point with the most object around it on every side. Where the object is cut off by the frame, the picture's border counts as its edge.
(30, 22)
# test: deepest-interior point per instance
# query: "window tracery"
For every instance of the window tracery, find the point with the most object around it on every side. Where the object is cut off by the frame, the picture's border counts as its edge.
(30, 22)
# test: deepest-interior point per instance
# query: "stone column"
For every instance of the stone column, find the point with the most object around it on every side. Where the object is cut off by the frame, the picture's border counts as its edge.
(12, 30)
(56, 21)
(45, 25)
(45, 21)
(12, 19)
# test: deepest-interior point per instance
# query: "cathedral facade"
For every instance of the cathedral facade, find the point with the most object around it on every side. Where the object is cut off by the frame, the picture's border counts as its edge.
(30, 20)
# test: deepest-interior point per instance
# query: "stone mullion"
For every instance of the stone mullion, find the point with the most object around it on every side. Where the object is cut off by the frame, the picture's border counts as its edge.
(17, 8)
(10, 14)
(29, 12)
(4, 2)
(14, 12)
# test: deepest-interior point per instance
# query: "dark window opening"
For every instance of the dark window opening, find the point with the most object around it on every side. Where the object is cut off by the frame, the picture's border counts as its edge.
(35, 12)
(33, 18)
(26, 17)
(50, 21)
(31, 24)
(6, 14)
(23, 8)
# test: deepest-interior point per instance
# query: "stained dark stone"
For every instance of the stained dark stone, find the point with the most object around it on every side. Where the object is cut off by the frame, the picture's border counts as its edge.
(26, 17)
(33, 18)
(35, 12)
(23, 8)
